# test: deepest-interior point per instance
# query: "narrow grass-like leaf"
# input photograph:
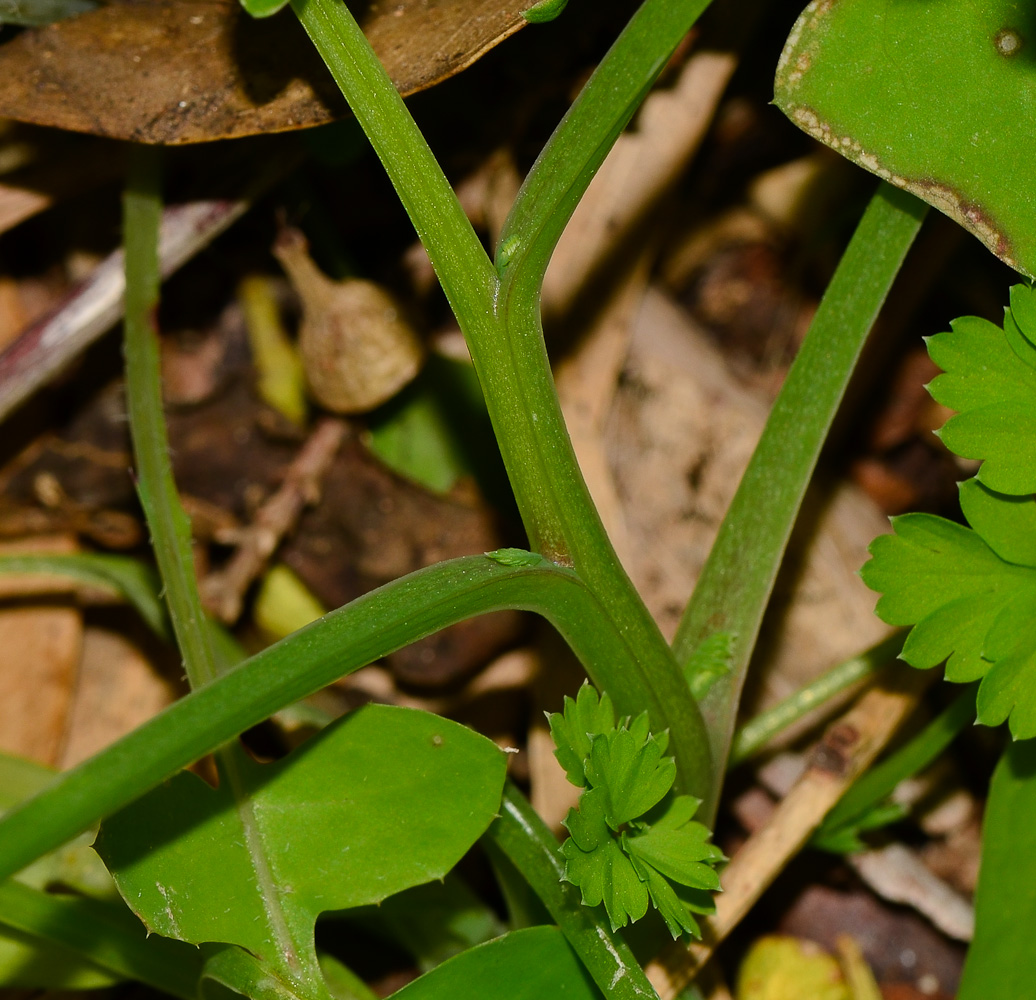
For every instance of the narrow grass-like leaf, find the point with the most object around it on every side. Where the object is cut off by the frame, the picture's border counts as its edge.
(861, 808)
(736, 581)
(98, 943)
(500, 321)
(344, 640)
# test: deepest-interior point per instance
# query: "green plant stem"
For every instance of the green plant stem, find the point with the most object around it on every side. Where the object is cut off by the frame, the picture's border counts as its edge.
(108, 936)
(914, 756)
(170, 529)
(736, 582)
(530, 846)
(500, 321)
(757, 732)
(369, 628)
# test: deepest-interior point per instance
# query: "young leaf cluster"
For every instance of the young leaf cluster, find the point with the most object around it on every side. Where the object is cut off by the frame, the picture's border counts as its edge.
(970, 592)
(631, 841)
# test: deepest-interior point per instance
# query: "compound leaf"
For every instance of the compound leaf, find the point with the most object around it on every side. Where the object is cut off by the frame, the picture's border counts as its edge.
(381, 800)
(631, 770)
(583, 717)
(597, 865)
(678, 847)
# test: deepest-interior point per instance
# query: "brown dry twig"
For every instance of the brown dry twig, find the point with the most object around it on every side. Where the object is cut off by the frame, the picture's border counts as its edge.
(847, 749)
(223, 591)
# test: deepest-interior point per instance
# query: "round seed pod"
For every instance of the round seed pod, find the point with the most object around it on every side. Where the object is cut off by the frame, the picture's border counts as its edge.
(357, 348)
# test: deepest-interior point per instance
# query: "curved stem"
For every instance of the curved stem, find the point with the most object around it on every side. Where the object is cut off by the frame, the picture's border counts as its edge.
(500, 320)
(369, 628)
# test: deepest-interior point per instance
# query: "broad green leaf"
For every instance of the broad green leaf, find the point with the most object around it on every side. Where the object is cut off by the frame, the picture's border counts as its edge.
(926, 94)
(968, 605)
(1001, 962)
(630, 769)
(382, 800)
(583, 717)
(531, 964)
(990, 380)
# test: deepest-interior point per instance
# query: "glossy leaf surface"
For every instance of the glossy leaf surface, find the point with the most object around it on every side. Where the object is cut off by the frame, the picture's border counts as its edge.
(931, 95)
(384, 799)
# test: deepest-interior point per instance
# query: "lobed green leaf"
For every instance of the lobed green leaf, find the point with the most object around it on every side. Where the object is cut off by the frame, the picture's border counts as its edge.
(968, 604)
(989, 377)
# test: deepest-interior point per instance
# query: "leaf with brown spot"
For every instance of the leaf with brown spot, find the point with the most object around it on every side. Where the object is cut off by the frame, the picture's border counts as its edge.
(182, 71)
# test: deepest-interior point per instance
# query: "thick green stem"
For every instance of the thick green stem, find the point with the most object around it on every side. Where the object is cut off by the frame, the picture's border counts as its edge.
(500, 320)
(735, 585)
(369, 628)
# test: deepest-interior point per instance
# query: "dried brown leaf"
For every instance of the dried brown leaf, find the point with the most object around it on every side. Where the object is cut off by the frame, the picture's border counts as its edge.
(182, 71)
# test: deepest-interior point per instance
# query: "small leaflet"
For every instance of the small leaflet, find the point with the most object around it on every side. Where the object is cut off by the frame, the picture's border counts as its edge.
(632, 842)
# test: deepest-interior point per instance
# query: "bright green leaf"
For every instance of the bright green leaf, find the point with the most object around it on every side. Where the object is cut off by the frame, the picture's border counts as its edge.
(597, 864)
(926, 95)
(531, 964)
(583, 717)
(131, 579)
(631, 770)
(384, 799)
(678, 847)
(967, 604)
(990, 380)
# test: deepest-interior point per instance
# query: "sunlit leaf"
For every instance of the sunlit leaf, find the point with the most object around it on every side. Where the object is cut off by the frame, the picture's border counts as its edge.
(968, 605)
(990, 379)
